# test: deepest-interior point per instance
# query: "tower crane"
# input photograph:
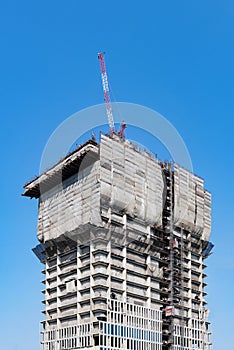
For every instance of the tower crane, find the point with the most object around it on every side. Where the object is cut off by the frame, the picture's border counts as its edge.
(106, 91)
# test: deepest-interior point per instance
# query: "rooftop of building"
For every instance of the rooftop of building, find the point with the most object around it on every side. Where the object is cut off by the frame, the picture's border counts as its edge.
(70, 164)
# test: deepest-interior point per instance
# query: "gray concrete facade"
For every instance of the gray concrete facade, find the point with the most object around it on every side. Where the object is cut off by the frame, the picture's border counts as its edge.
(124, 238)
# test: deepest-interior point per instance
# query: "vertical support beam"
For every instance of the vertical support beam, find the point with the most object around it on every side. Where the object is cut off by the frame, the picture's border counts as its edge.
(148, 278)
(125, 259)
(78, 285)
(92, 283)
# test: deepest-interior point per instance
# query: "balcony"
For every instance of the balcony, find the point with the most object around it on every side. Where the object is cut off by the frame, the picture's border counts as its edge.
(52, 293)
(52, 315)
(136, 258)
(137, 291)
(137, 269)
(85, 273)
(183, 284)
(68, 301)
(102, 259)
(117, 274)
(52, 308)
(99, 270)
(84, 308)
(195, 289)
(117, 263)
(51, 284)
(51, 272)
(62, 293)
(68, 269)
(195, 278)
(99, 305)
(100, 294)
(68, 257)
(52, 262)
(67, 312)
(185, 274)
(85, 284)
(116, 285)
(84, 297)
(99, 283)
(138, 280)
(180, 312)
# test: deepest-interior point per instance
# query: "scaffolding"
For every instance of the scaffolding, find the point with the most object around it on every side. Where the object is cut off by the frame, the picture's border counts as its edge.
(123, 239)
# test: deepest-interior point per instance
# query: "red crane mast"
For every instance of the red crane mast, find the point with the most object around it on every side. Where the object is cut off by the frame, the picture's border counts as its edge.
(106, 91)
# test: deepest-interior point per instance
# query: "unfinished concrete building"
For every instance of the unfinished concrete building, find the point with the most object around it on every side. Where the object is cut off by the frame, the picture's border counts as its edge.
(123, 239)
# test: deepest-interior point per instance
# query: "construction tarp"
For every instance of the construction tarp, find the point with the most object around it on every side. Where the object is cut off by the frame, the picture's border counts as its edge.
(131, 181)
(192, 203)
(122, 180)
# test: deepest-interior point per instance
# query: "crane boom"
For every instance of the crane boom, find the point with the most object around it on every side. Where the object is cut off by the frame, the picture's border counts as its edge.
(106, 90)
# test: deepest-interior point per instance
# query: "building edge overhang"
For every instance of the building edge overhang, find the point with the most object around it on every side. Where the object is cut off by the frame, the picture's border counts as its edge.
(63, 169)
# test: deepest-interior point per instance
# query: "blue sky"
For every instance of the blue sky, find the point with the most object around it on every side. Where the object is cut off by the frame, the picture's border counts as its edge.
(176, 57)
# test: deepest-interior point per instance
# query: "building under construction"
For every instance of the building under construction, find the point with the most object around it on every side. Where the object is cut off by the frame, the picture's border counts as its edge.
(123, 239)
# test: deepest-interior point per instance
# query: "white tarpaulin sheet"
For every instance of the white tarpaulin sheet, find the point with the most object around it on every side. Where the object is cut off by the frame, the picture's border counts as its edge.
(192, 203)
(131, 182)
